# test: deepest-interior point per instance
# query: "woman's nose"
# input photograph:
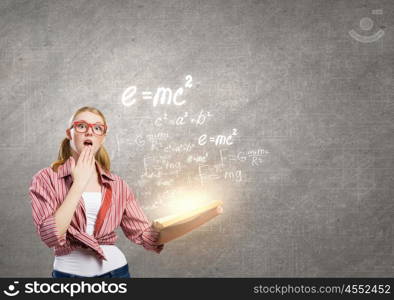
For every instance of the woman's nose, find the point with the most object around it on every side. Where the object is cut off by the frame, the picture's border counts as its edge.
(90, 129)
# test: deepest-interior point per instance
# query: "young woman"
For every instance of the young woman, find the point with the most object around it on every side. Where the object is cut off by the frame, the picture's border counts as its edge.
(77, 203)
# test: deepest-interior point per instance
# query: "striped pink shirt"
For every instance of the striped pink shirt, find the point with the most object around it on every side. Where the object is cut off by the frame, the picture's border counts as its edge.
(48, 190)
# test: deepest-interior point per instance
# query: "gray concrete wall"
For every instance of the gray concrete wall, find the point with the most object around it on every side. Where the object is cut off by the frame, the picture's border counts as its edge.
(283, 109)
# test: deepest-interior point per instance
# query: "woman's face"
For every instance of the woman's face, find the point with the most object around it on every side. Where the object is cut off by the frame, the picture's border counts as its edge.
(77, 139)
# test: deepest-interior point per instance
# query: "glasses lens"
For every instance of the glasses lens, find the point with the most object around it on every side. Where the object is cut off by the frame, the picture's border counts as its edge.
(98, 129)
(81, 127)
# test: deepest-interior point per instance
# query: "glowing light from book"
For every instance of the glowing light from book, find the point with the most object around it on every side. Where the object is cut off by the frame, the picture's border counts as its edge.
(182, 201)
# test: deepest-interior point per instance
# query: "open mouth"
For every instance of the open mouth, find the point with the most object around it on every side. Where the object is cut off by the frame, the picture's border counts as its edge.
(86, 143)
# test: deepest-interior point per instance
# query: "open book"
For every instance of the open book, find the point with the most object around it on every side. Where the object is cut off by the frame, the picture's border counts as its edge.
(183, 217)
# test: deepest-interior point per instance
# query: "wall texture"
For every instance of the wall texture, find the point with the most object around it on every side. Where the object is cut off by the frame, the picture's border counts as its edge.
(282, 109)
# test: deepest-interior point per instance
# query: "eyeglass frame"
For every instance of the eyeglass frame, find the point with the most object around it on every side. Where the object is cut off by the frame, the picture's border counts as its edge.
(89, 125)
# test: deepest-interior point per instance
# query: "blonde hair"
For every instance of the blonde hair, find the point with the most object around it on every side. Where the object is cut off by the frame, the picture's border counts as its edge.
(101, 156)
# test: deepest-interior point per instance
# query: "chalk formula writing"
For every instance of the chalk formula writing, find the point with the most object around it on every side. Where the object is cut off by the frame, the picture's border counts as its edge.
(254, 157)
(197, 158)
(209, 173)
(159, 166)
(162, 96)
(154, 139)
(173, 155)
(184, 119)
(218, 139)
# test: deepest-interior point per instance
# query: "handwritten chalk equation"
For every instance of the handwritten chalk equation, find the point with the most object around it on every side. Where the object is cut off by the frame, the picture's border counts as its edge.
(209, 173)
(197, 158)
(185, 119)
(159, 142)
(162, 96)
(155, 140)
(218, 139)
(180, 148)
(254, 157)
(159, 166)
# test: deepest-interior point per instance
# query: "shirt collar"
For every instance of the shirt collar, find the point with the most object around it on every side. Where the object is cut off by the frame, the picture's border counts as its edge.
(65, 170)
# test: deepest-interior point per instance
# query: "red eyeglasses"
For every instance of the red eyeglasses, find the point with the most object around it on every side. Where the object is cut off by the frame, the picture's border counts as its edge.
(82, 127)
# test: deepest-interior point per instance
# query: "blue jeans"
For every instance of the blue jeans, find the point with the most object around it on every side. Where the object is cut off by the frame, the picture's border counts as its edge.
(122, 272)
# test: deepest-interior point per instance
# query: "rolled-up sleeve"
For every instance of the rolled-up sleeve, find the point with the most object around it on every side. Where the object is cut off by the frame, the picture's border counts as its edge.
(136, 226)
(43, 210)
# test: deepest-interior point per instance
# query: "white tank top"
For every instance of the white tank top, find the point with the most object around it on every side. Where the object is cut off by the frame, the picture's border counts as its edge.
(80, 261)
